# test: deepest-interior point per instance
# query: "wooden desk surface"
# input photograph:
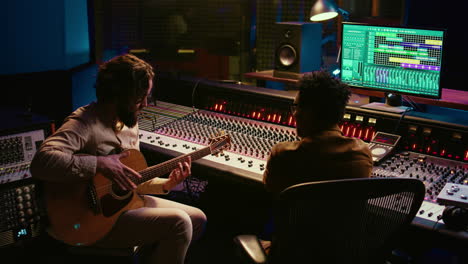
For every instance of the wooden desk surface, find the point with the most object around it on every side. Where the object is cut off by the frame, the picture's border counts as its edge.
(450, 98)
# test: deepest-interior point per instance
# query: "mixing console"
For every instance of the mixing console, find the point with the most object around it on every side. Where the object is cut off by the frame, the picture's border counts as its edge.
(155, 116)
(176, 130)
(435, 172)
(241, 165)
(251, 140)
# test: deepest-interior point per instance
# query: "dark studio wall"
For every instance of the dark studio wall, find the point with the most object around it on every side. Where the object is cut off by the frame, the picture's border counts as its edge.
(444, 15)
(49, 44)
(45, 36)
(244, 36)
(53, 46)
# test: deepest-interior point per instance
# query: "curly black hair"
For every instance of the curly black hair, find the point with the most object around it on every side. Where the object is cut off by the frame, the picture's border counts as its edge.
(324, 95)
(123, 78)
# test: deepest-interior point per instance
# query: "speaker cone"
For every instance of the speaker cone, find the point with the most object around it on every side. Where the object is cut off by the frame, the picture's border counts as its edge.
(287, 55)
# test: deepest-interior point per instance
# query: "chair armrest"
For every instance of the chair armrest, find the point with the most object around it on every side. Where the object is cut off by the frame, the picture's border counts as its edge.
(251, 247)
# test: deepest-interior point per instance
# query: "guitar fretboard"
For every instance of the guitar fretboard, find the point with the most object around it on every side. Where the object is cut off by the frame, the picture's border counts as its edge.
(167, 166)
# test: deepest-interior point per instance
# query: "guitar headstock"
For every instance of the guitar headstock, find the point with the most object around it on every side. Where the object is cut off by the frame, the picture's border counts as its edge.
(219, 142)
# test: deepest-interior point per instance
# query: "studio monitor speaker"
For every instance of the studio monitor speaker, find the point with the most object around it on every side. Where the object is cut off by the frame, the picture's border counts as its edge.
(298, 49)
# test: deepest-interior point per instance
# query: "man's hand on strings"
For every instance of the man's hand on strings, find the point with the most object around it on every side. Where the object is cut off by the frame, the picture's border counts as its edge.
(112, 168)
(178, 175)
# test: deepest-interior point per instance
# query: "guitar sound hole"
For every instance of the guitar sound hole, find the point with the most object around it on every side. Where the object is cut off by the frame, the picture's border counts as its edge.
(118, 191)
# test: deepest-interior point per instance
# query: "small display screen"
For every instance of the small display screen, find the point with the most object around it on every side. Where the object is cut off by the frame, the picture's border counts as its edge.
(386, 139)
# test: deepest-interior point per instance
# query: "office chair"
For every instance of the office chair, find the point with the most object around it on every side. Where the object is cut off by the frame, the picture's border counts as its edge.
(338, 221)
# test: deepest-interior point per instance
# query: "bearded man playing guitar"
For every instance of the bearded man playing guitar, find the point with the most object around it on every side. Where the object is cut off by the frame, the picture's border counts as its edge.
(90, 172)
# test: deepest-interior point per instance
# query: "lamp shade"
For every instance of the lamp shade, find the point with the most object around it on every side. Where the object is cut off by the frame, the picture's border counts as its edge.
(323, 10)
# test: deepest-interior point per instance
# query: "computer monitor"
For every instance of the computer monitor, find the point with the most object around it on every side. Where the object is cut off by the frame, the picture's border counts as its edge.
(393, 59)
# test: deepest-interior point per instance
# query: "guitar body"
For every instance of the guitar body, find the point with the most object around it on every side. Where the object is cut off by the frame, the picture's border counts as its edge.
(81, 213)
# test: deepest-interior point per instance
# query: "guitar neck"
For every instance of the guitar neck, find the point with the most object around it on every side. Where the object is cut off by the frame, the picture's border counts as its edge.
(167, 166)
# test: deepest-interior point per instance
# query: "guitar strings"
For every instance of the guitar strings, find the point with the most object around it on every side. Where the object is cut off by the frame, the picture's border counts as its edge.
(102, 189)
(148, 173)
(165, 166)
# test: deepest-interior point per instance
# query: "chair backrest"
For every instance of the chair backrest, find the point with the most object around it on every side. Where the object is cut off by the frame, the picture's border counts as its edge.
(343, 221)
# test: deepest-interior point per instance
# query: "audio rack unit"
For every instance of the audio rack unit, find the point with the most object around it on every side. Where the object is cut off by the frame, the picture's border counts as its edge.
(20, 210)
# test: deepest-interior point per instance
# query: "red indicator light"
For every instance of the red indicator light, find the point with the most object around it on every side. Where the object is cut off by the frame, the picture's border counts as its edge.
(457, 157)
(449, 155)
(428, 149)
(466, 155)
(274, 118)
(216, 107)
(220, 107)
(347, 131)
(354, 132)
(268, 117)
(290, 120)
(414, 146)
(367, 133)
(373, 134)
(442, 153)
(254, 114)
(341, 127)
(279, 119)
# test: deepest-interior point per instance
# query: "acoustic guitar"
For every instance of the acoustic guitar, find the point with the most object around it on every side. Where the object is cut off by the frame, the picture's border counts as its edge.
(81, 213)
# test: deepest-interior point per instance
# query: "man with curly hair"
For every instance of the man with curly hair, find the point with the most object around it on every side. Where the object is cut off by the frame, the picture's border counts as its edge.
(322, 153)
(92, 140)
